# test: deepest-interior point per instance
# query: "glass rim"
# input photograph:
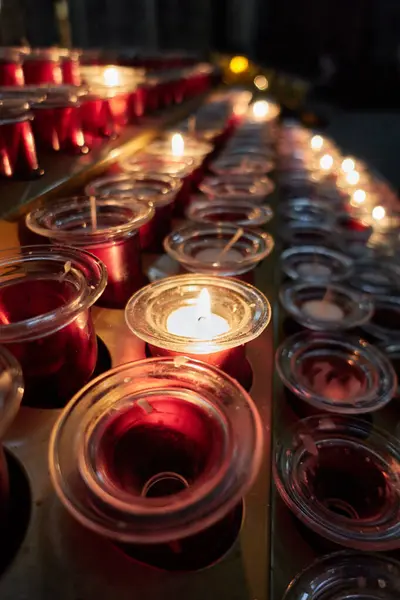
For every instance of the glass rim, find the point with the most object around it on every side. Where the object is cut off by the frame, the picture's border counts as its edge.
(158, 198)
(246, 294)
(170, 513)
(289, 353)
(258, 214)
(174, 246)
(358, 534)
(362, 306)
(12, 392)
(35, 220)
(90, 276)
(323, 251)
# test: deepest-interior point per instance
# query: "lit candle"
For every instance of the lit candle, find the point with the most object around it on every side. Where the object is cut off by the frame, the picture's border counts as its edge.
(111, 77)
(317, 142)
(197, 321)
(323, 310)
(260, 109)
(177, 145)
(348, 165)
(326, 162)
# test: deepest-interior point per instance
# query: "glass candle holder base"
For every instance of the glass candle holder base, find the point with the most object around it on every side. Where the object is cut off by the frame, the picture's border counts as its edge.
(192, 553)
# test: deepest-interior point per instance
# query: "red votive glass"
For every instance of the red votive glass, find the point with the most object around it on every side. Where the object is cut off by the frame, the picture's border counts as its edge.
(198, 151)
(70, 67)
(11, 72)
(43, 65)
(205, 317)
(57, 124)
(180, 168)
(157, 190)
(45, 296)
(151, 453)
(18, 157)
(106, 227)
(96, 118)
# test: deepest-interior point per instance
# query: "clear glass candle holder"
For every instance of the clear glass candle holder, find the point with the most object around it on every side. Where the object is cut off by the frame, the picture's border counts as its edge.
(347, 574)
(160, 191)
(392, 351)
(298, 233)
(155, 451)
(316, 264)
(326, 307)
(241, 213)
(242, 164)
(340, 477)
(336, 373)
(306, 210)
(384, 323)
(171, 317)
(252, 189)
(376, 276)
(106, 227)
(199, 249)
(45, 296)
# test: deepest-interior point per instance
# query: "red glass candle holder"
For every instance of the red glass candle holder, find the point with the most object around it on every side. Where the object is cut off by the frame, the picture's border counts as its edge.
(70, 67)
(106, 227)
(152, 453)
(18, 157)
(171, 317)
(199, 249)
(96, 118)
(45, 296)
(11, 72)
(339, 476)
(198, 151)
(57, 124)
(43, 65)
(158, 190)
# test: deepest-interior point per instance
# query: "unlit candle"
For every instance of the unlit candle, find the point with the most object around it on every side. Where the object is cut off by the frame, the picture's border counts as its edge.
(323, 310)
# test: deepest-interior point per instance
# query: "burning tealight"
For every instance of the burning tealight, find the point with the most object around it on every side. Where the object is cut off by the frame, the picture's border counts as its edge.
(177, 145)
(198, 320)
(348, 165)
(317, 141)
(359, 197)
(352, 177)
(111, 77)
(323, 310)
(260, 109)
(326, 162)
(378, 213)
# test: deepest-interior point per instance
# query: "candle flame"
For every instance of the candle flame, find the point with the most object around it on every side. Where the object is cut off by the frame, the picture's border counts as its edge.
(348, 165)
(359, 196)
(111, 76)
(353, 177)
(326, 162)
(317, 142)
(260, 109)
(177, 145)
(378, 213)
(204, 304)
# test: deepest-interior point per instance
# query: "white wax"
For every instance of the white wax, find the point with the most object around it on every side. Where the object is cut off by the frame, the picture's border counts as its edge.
(210, 255)
(313, 270)
(323, 310)
(185, 321)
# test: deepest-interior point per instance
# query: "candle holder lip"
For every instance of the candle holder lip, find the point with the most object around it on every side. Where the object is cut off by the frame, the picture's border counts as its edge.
(246, 309)
(237, 187)
(70, 220)
(372, 369)
(300, 458)
(242, 164)
(14, 110)
(158, 189)
(174, 166)
(340, 265)
(86, 273)
(243, 212)
(306, 210)
(347, 574)
(387, 332)
(145, 519)
(11, 389)
(51, 53)
(193, 148)
(378, 277)
(185, 243)
(357, 308)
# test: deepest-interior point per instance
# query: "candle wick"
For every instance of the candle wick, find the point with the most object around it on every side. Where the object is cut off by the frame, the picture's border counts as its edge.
(200, 318)
(93, 213)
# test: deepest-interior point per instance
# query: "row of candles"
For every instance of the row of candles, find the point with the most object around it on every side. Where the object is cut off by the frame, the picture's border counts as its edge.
(336, 471)
(65, 107)
(184, 410)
